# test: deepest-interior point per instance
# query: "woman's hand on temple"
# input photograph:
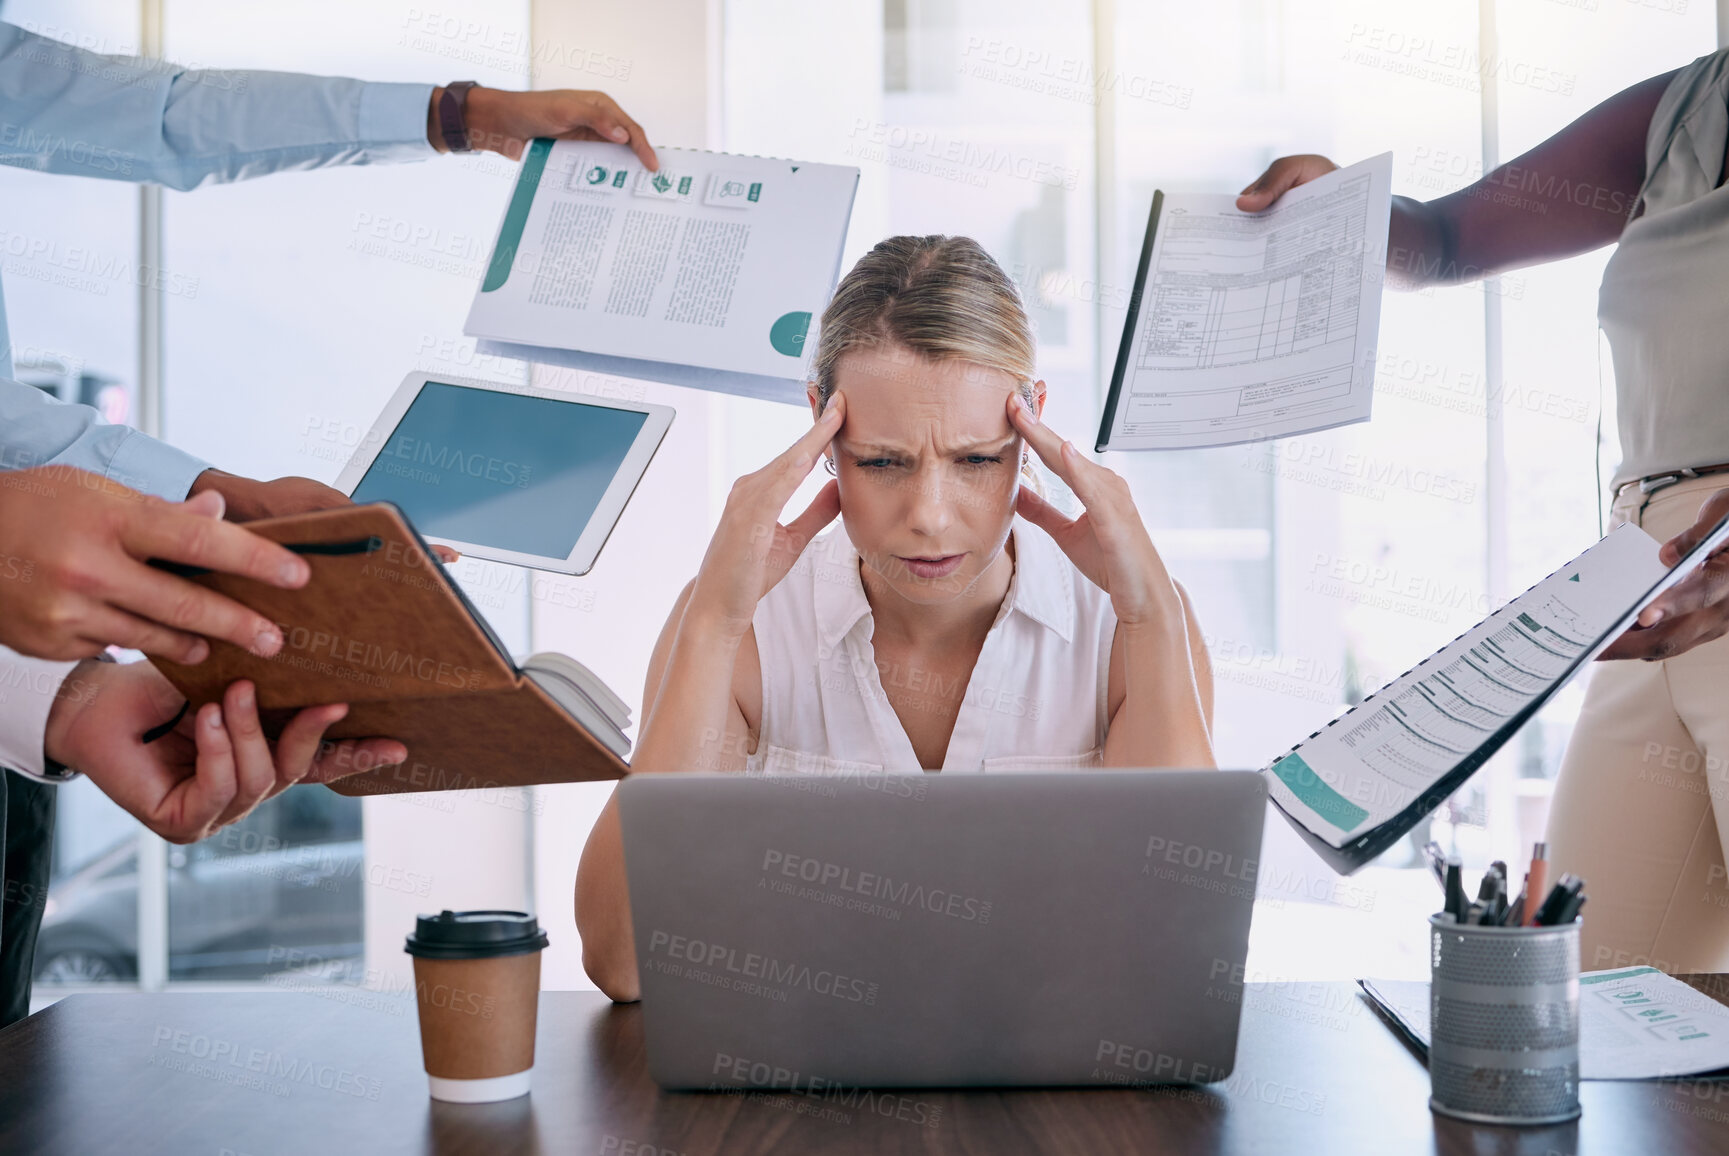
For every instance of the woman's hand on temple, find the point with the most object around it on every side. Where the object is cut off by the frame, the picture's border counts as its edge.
(751, 550)
(1109, 542)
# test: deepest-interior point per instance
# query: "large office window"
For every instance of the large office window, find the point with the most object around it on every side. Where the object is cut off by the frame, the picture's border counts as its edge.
(1320, 565)
(69, 249)
(293, 307)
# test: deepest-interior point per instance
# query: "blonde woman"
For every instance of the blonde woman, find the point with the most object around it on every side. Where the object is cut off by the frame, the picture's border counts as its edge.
(933, 629)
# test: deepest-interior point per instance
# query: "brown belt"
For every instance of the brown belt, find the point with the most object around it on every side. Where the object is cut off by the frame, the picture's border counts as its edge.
(1651, 484)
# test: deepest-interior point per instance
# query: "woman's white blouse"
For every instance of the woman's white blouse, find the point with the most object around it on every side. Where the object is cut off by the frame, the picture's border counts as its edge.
(1036, 699)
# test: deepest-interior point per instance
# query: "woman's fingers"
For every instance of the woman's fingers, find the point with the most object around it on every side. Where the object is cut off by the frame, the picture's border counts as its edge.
(1079, 543)
(787, 472)
(1041, 513)
(824, 509)
(1062, 457)
(1086, 478)
(1038, 435)
(816, 439)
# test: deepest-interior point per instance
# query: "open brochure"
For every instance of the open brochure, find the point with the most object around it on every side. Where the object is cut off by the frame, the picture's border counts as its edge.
(710, 273)
(1635, 1023)
(582, 695)
(1355, 787)
(1250, 326)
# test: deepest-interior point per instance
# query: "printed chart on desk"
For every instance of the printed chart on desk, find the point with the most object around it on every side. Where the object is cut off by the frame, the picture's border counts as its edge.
(1246, 326)
(1635, 1023)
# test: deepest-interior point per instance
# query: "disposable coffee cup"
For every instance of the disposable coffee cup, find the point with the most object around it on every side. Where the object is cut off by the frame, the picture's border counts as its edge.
(477, 984)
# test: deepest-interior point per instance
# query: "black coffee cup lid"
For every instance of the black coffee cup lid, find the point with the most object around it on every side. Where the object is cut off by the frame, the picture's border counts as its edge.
(475, 935)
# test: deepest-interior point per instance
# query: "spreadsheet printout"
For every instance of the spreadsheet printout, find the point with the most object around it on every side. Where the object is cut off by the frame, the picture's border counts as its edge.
(1371, 763)
(1252, 326)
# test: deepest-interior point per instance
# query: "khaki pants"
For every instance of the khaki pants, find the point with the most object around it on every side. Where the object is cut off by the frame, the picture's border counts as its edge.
(1641, 810)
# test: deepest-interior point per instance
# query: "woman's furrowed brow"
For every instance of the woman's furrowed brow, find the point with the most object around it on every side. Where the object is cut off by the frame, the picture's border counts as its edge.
(988, 446)
(865, 449)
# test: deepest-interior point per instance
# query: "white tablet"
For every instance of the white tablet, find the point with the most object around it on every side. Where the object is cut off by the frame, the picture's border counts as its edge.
(506, 472)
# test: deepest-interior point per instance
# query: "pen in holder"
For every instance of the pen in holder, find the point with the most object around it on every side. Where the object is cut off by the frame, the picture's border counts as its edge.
(1504, 1022)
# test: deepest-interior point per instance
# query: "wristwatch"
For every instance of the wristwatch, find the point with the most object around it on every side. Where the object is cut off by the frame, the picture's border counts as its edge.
(453, 116)
(54, 771)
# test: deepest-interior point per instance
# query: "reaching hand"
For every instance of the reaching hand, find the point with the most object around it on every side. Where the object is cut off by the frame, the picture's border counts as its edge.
(73, 578)
(1109, 542)
(504, 122)
(751, 550)
(1281, 177)
(212, 768)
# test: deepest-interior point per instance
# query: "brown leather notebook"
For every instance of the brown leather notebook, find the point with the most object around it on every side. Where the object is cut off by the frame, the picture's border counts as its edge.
(381, 627)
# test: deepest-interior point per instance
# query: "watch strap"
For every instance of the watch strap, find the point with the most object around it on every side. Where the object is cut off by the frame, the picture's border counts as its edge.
(453, 116)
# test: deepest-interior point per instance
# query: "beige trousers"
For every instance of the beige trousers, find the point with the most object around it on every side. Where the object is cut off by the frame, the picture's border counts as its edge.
(1641, 810)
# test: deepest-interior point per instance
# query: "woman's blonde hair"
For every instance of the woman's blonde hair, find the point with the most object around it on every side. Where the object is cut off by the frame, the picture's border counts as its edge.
(941, 298)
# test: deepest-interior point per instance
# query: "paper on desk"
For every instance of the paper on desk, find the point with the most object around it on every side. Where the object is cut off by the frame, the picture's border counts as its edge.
(1635, 1023)
(710, 273)
(1374, 761)
(1246, 327)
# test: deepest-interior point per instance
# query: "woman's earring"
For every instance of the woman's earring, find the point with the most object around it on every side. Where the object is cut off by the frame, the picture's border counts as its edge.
(828, 464)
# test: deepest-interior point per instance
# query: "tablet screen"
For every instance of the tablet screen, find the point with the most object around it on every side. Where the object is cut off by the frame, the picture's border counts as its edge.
(500, 469)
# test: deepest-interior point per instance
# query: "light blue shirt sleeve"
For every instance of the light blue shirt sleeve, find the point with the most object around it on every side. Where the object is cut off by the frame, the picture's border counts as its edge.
(65, 110)
(36, 430)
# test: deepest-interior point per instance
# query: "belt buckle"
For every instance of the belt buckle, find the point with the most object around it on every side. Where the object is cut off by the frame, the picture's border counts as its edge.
(1657, 482)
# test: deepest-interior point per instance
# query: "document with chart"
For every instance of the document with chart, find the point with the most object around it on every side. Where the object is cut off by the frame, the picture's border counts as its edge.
(711, 273)
(1635, 1023)
(1355, 787)
(1250, 326)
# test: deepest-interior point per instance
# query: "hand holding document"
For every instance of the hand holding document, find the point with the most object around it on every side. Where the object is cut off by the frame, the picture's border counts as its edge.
(1357, 786)
(1246, 327)
(382, 627)
(709, 273)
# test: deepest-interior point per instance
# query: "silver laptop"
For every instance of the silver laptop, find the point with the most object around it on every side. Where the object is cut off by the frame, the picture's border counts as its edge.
(885, 930)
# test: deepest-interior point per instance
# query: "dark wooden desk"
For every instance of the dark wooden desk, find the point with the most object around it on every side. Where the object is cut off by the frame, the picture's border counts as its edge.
(1317, 1072)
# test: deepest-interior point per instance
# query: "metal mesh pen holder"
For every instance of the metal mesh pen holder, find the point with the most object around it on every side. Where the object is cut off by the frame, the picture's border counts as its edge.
(1504, 1022)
